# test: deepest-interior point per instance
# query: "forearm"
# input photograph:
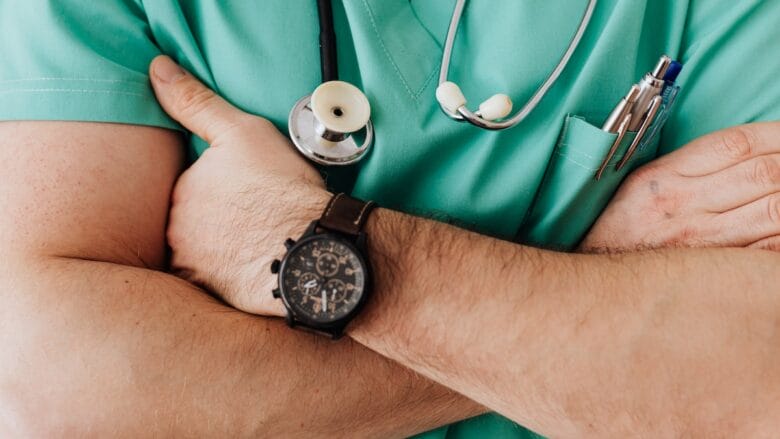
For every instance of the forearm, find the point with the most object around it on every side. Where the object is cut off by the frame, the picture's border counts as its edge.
(571, 345)
(104, 349)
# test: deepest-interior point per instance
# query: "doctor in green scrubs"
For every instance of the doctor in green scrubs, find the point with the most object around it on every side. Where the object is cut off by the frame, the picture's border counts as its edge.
(88, 61)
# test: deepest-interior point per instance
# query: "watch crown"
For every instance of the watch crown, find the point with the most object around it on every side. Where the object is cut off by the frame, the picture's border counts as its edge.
(275, 266)
(289, 243)
(276, 293)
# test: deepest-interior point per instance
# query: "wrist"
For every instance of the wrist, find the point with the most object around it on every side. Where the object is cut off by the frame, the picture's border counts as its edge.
(249, 280)
(393, 240)
(324, 278)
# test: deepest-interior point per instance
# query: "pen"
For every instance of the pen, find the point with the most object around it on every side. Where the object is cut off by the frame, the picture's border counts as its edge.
(670, 78)
(646, 103)
(647, 121)
(651, 85)
(623, 108)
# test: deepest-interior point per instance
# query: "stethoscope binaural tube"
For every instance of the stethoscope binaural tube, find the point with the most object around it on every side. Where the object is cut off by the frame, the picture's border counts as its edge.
(493, 112)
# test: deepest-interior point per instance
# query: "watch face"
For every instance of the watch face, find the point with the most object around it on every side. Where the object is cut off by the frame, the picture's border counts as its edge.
(323, 279)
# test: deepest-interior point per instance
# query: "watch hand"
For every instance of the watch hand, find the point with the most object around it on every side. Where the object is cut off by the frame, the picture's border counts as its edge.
(324, 300)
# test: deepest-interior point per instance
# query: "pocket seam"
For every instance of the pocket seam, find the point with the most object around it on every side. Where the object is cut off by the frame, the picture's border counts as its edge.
(562, 146)
(613, 161)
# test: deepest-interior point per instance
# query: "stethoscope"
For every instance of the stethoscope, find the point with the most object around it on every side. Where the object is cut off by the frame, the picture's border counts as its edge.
(332, 126)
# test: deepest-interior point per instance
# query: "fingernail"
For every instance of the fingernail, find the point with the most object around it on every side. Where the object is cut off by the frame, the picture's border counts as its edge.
(166, 70)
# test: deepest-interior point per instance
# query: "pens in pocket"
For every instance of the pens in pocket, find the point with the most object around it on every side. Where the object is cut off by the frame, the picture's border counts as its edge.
(651, 85)
(646, 103)
(621, 110)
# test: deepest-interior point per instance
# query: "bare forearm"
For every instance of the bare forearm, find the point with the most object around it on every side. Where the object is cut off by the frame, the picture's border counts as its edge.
(113, 350)
(571, 344)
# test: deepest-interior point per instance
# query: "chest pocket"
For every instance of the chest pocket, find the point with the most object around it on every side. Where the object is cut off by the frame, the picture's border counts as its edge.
(570, 199)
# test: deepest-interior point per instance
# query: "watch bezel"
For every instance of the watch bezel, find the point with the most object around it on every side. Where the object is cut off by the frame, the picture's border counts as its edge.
(335, 327)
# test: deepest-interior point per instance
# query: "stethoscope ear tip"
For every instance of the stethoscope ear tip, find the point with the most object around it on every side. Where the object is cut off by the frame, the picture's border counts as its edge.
(452, 100)
(450, 97)
(496, 107)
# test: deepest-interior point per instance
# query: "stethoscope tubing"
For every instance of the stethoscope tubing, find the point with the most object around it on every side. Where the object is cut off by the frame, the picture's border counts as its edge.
(328, 55)
(464, 114)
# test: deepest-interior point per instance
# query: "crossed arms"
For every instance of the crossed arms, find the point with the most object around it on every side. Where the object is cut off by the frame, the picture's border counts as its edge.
(566, 344)
(97, 342)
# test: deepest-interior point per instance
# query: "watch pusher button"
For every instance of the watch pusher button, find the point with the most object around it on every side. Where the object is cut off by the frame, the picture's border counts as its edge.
(289, 243)
(275, 266)
(277, 294)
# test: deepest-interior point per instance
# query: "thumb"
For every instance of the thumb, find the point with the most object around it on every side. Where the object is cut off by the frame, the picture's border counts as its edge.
(191, 103)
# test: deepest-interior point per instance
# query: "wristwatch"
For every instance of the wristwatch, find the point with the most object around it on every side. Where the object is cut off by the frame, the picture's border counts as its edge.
(325, 276)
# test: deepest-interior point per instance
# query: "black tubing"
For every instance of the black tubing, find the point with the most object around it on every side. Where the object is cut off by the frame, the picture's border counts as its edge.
(328, 57)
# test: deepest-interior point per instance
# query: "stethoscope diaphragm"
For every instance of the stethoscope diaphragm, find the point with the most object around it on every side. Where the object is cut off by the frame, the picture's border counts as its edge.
(332, 126)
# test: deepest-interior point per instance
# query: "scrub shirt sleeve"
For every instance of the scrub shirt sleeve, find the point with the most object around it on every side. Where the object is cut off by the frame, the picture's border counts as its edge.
(78, 60)
(731, 56)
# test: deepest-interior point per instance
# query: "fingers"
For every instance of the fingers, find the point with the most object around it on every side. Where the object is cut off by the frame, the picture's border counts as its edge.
(772, 244)
(751, 223)
(738, 185)
(722, 149)
(191, 103)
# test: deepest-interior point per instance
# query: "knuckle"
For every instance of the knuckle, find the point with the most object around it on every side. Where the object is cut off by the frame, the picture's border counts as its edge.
(685, 236)
(737, 142)
(245, 127)
(765, 171)
(773, 209)
(772, 244)
(193, 98)
(262, 123)
(173, 238)
(175, 235)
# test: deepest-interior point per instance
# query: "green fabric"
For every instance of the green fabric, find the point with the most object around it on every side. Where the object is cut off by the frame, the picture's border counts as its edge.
(87, 60)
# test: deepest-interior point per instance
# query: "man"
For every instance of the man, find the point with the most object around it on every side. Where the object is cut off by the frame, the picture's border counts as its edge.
(568, 345)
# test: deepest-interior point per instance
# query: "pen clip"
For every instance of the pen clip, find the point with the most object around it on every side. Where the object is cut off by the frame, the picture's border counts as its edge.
(622, 130)
(670, 95)
(652, 111)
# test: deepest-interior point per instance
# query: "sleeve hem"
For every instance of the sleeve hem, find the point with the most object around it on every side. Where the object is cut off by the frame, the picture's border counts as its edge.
(67, 102)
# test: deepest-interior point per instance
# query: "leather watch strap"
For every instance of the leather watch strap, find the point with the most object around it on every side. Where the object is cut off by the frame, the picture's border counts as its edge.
(346, 215)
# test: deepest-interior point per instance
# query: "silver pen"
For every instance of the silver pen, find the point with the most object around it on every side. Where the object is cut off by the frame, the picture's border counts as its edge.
(651, 85)
(623, 108)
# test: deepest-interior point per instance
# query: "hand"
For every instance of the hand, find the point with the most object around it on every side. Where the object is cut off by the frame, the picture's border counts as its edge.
(721, 190)
(232, 210)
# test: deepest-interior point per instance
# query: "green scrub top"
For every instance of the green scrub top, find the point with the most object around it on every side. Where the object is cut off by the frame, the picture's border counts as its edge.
(87, 60)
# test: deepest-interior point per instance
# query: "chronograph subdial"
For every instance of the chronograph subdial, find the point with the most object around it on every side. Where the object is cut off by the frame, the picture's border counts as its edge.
(327, 264)
(332, 295)
(336, 290)
(309, 284)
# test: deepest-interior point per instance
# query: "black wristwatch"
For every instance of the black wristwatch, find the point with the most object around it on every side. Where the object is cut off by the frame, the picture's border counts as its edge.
(325, 276)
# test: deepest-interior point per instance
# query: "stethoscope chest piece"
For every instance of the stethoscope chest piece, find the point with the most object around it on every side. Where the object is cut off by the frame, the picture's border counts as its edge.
(332, 126)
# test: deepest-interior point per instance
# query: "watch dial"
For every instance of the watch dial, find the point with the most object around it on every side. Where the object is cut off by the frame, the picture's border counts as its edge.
(323, 279)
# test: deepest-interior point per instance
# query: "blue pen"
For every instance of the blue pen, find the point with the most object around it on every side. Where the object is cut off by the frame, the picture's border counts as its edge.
(672, 72)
